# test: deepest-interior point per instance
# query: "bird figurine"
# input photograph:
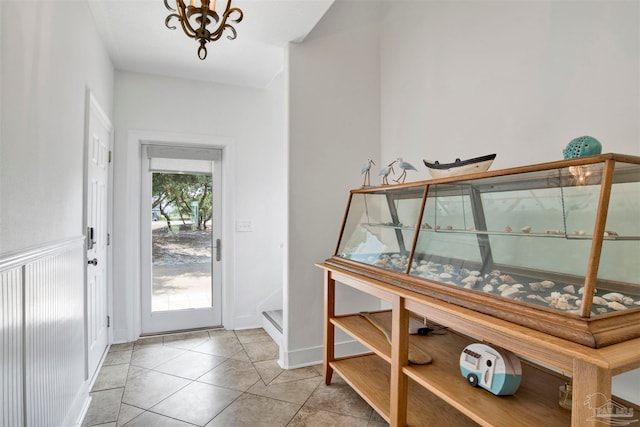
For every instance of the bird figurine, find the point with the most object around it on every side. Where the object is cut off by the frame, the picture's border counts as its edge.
(366, 170)
(405, 167)
(385, 171)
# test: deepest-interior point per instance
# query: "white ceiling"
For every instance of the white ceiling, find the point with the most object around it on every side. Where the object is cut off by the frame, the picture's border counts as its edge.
(137, 39)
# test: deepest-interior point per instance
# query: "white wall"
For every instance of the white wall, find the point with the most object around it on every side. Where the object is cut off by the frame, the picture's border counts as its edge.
(520, 79)
(334, 116)
(251, 121)
(51, 54)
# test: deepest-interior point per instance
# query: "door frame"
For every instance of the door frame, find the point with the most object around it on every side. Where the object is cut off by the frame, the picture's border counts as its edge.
(130, 247)
(92, 104)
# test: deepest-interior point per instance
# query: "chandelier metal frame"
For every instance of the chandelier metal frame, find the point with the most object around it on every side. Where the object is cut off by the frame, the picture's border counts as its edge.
(195, 21)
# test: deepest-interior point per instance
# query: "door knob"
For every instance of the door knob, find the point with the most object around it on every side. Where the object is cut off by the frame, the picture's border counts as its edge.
(93, 262)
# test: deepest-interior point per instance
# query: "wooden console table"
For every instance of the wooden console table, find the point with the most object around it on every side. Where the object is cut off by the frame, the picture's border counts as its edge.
(437, 394)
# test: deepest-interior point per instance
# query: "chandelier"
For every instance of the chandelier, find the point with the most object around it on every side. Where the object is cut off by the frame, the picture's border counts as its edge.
(196, 20)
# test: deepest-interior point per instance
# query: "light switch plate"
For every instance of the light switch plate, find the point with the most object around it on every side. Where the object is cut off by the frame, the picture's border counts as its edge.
(244, 225)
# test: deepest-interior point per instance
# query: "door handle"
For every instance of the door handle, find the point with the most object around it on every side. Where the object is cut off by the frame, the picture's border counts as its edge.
(90, 241)
(218, 250)
(93, 262)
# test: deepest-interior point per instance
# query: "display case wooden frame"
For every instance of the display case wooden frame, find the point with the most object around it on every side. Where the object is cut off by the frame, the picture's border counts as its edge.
(581, 326)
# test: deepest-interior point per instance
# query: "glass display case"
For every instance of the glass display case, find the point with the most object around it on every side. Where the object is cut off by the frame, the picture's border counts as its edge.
(554, 247)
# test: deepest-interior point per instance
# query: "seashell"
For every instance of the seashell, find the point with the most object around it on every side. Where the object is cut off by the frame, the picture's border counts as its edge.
(610, 233)
(508, 229)
(472, 228)
(553, 231)
(569, 297)
(637, 302)
(613, 296)
(615, 305)
(423, 268)
(547, 284)
(536, 286)
(510, 293)
(503, 287)
(495, 272)
(570, 288)
(537, 297)
(470, 279)
(526, 229)
(627, 301)
(474, 273)
(563, 305)
(423, 262)
(469, 286)
(518, 286)
(508, 279)
(579, 232)
(448, 268)
(494, 281)
(487, 288)
(599, 300)
(445, 276)
(601, 310)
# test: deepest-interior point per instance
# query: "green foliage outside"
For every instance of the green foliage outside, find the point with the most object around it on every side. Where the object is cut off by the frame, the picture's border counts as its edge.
(172, 195)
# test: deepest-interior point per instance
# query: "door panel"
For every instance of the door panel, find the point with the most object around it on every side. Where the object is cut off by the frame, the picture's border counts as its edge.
(100, 134)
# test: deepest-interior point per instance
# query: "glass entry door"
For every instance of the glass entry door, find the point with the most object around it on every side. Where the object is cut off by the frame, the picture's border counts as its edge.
(181, 244)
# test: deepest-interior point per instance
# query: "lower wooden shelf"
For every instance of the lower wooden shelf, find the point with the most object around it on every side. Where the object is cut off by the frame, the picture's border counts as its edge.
(438, 385)
(370, 376)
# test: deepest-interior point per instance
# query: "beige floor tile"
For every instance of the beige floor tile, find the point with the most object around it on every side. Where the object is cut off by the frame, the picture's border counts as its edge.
(127, 413)
(241, 355)
(187, 340)
(121, 346)
(268, 370)
(255, 411)
(152, 356)
(223, 346)
(117, 357)
(233, 374)
(295, 375)
(293, 392)
(260, 336)
(104, 407)
(111, 377)
(197, 403)
(339, 398)
(150, 387)
(149, 341)
(149, 419)
(259, 351)
(190, 365)
(310, 417)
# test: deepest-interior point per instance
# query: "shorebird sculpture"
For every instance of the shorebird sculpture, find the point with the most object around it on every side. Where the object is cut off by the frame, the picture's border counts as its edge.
(366, 170)
(385, 171)
(405, 167)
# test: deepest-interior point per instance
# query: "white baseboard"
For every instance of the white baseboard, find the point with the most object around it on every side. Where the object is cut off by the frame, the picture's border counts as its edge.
(314, 355)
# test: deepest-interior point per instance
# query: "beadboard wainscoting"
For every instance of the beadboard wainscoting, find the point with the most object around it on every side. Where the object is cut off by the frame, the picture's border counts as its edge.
(42, 336)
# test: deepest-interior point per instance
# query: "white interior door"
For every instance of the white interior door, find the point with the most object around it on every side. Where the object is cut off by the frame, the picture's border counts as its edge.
(98, 150)
(181, 239)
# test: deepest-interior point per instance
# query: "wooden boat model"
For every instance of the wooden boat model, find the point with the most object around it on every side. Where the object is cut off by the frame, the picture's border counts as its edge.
(459, 167)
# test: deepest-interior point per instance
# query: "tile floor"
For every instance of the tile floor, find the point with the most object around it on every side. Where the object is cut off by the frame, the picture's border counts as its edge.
(218, 378)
